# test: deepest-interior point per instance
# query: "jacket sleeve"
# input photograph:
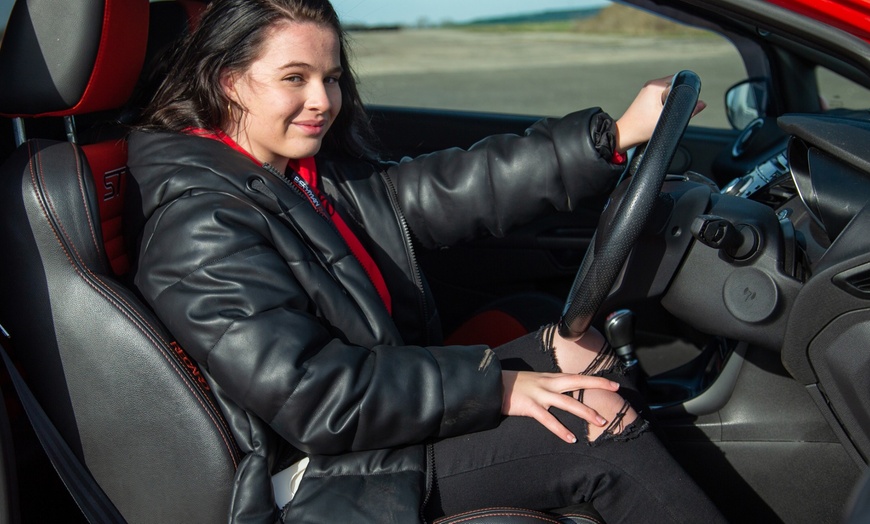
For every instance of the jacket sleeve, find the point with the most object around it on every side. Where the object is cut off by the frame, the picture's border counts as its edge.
(506, 180)
(213, 272)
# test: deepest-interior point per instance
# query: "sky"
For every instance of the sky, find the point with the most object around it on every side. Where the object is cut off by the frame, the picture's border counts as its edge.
(410, 12)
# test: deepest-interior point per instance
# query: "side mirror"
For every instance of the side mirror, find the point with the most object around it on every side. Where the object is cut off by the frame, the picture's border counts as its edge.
(746, 102)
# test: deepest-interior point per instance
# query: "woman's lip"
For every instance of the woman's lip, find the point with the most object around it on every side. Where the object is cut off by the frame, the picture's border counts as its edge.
(313, 128)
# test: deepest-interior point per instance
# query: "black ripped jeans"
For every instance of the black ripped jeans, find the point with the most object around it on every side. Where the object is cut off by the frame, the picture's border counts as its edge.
(629, 477)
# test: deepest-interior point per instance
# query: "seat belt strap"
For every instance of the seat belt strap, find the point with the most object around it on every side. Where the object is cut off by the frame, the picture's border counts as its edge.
(88, 495)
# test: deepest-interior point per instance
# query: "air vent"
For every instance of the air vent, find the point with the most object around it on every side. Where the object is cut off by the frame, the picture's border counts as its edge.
(855, 281)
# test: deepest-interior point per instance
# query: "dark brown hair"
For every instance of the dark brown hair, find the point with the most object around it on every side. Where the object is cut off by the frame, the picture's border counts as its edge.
(229, 37)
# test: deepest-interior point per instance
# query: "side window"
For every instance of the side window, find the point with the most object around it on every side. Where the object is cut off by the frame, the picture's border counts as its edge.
(838, 92)
(547, 63)
(5, 10)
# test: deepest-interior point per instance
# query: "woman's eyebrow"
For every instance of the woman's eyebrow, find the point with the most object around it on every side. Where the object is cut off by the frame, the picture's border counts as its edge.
(306, 65)
(303, 65)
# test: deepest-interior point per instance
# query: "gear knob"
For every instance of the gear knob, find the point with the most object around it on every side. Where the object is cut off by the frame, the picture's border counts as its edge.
(619, 330)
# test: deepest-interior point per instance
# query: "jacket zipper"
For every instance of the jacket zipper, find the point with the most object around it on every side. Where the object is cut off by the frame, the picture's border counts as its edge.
(305, 193)
(302, 188)
(418, 282)
(286, 211)
(430, 480)
(409, 250)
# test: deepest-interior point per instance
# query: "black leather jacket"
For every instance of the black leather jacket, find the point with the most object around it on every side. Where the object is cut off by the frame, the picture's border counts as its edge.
(264, 293)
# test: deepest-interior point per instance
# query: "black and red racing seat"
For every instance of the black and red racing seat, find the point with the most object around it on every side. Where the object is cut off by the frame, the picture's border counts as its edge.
(134, 410)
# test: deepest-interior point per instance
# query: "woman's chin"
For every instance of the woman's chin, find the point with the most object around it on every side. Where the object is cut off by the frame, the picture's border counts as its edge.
(305, 149)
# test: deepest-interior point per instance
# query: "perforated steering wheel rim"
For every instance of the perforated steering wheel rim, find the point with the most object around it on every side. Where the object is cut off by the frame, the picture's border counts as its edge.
(620, 227)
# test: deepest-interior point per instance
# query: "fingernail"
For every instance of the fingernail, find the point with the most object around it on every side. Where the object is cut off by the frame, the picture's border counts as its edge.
(601, 421)
(572, 438)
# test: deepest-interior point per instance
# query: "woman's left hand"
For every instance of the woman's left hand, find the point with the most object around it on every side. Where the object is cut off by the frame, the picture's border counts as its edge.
(531, 394)
(636, 125)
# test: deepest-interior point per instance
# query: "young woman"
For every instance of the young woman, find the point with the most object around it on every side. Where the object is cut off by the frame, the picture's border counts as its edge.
(279, 251)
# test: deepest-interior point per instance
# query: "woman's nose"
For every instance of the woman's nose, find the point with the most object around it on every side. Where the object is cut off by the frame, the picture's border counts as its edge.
(318, 97)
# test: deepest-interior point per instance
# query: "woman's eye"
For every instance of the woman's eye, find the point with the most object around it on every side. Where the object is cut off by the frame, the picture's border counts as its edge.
(293, 78)
(332, 80)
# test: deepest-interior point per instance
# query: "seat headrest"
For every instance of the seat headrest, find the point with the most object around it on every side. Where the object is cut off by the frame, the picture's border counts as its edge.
(71, 57)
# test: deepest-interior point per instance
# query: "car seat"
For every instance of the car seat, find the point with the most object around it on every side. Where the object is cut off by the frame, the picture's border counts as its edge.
(126, 400)
(135, 410)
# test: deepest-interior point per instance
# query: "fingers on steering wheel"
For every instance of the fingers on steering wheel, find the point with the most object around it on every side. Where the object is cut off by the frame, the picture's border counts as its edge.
(666, 91)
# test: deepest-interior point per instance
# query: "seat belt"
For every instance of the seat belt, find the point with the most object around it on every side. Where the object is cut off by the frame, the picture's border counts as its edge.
(88, 495)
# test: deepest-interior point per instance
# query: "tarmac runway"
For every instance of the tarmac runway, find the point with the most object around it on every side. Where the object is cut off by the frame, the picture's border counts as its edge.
(544, 74)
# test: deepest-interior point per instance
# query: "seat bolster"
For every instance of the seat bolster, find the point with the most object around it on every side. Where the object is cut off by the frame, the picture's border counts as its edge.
(136, 411)
(67, 201)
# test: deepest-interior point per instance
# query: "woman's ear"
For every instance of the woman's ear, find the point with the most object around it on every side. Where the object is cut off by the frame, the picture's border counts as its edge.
(228, 84)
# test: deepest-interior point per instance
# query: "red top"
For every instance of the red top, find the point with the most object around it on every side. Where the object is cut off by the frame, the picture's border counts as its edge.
(307, 170)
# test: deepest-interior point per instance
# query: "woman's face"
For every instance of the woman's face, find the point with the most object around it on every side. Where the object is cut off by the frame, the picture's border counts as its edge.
(290, 94)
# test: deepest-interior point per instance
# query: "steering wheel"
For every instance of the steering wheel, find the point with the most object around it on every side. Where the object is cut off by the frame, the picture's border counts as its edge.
(622, 222)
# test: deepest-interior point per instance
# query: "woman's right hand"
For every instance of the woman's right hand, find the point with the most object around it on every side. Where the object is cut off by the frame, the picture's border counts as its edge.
(530, 394)
(636, 125)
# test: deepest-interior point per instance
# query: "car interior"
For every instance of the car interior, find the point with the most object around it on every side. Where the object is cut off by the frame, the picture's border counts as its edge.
(744, 295)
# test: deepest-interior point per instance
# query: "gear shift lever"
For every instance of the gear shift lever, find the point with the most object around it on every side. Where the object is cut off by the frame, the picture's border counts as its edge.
(619, 330)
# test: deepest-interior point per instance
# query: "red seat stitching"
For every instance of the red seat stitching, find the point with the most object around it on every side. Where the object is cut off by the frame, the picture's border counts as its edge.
(502, 513)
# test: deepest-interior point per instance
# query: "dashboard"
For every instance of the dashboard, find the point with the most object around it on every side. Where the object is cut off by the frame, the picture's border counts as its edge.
(818, 178)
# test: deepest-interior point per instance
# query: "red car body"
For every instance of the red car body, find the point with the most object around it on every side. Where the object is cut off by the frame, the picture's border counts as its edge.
(852, 16)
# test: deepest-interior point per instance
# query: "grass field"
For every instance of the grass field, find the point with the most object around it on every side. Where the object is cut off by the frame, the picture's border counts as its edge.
(543, 68)
(535, 72)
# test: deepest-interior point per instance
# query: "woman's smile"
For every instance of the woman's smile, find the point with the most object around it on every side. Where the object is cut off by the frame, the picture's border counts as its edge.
(312, 127)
